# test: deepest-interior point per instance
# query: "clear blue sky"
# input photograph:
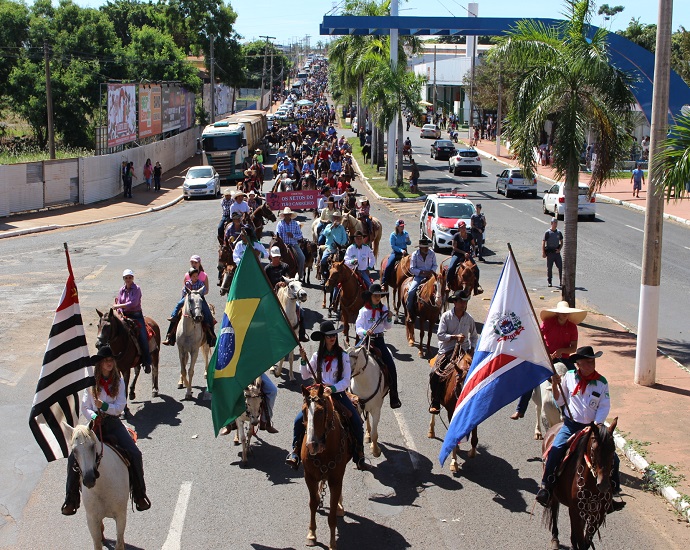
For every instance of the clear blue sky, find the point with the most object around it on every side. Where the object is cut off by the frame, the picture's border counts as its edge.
(290, 20)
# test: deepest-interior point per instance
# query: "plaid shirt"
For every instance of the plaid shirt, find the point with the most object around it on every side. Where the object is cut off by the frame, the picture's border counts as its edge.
(225, 206)
(284, 228)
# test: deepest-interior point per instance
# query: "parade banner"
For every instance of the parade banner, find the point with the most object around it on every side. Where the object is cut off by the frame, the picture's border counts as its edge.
(296, 200)
(122, 114)
(172, 99)
(150, 123)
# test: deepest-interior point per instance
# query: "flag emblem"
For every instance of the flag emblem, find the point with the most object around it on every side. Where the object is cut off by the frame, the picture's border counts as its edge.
(507, 326)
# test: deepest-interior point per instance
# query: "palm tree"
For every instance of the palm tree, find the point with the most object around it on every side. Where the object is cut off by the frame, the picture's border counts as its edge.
(563, 73)
(673, 159)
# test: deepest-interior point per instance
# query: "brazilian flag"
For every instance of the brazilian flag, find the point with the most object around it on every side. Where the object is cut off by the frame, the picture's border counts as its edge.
(254, 335)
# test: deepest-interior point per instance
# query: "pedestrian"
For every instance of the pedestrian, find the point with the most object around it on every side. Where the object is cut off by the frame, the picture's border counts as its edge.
(130, 176)
(148, 174)
(157, 173)
(551, 250)
(637, 179)
(477, 228)
(414, 176)
(127, 180)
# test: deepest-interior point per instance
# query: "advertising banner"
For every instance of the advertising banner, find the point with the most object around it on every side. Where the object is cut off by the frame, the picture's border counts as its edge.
(296, 200)
(122, 114)
(150, 123)
(172, 98)
(187, 110)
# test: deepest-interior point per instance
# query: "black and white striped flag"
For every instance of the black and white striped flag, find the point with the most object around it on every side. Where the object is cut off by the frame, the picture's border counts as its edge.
(65, 372)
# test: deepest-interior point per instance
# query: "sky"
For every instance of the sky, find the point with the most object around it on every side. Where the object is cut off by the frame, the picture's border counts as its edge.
(290, 21)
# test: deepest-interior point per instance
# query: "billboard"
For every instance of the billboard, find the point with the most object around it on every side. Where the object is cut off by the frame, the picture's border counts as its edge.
(122, 114)
(150, 123)
(172, 102)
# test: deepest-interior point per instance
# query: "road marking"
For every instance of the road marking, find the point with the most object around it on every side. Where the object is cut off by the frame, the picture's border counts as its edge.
(635, 228)
(634, 265)
(540, 221)
(686, 248)
(449, 176)
(95, 273)
(488, 173)
(409, 442)
(504, 204)
(175, 533)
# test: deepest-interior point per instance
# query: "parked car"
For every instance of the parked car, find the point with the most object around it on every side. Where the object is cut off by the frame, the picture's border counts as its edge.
(465, 160)
(201, 181)
(355, 125)
(442, 149)
(430, 131)
(554, 201)
(512, 181)
(440, 214)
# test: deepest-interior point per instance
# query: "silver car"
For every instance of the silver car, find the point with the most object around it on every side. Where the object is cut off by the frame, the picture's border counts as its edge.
(201, 181)
(512, 181)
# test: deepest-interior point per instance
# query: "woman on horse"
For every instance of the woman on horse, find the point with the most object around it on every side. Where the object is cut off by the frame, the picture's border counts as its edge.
(363, 209)
(372, 321)
(232, 232)
(192, 281)
(399, 240)
(463, 249)
(225, 206)
(128, 302)
(102, 404)
(331, 364)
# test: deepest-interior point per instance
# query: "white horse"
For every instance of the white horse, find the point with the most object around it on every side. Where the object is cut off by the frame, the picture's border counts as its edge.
(288, 296)
(251, 414)
(548, 413)
(190, 337)
(109, 497)
(369, 385)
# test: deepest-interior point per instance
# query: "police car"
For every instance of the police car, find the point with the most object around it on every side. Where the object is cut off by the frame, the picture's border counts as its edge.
(439, 216)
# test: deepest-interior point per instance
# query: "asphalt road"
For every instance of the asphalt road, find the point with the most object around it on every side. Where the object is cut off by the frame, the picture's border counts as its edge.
(409, 501)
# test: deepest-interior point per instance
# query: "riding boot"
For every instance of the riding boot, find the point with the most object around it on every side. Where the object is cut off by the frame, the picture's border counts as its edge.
(210, 337)
(72, 494)
(170, 335)
(293, 459)
(267, 426)
(394, 398)
(434, 387)
(136, 478)
(360, 459)
(302, 330)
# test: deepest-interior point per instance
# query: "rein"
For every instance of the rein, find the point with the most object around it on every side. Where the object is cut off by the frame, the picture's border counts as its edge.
(364, 401)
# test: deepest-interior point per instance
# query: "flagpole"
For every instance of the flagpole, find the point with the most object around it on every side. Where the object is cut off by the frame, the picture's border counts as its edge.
(69, 263)
(522, 282)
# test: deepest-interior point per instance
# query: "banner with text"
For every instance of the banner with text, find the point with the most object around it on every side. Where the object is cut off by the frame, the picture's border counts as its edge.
(122, 114)
(296, 200)
(150, 123)
(171, 107)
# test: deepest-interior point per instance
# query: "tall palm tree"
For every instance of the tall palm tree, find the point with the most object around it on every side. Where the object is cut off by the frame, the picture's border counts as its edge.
(564, 74)
(673, 159)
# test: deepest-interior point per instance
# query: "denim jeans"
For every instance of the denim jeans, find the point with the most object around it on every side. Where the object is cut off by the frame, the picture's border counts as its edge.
(143, 336)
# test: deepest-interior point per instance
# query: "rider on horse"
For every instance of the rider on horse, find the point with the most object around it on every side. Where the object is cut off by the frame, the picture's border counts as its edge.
(588, 401)
(291, 233)
(192, 281)
(102, 404)
(360, 258)
(239, 204)
(334, 236)
(463, 249)
(455, 327)
(422, 266)
(277, 272)
(128, 301)
(330, 364)
(225, 206)
(399, 240)
(363, 209)
(371, 313)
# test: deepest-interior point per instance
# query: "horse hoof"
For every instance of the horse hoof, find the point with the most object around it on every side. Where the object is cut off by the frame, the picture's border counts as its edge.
(376, 451)
(538, 437)
(367, 438)
(555, 545)
(154, 393)
(132, 396)
(454, 467)
(340, 512)
(411, 343)
(311, 540)
(420, 354)
(180, 386)
(472, 453)
(431, 435)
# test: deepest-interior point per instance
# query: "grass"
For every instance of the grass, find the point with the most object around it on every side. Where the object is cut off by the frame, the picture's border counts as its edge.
(664, 476)
(637, 446)
(37, 155)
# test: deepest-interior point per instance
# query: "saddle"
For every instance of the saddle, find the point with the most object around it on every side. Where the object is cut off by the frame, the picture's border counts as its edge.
(376, 354)
(573, 442)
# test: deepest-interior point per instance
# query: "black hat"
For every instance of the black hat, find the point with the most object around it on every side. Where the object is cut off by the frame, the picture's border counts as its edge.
(585, 352)
(327, 328)
(375, 288)
(461, 295)
(103, 353)
(424, 242)
(359, 234)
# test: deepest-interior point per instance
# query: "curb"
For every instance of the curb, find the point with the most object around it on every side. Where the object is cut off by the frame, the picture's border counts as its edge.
(43, 228)
(365, 181)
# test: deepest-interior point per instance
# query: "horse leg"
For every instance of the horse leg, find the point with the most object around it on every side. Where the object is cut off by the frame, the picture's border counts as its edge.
(278, 369)
(409, 325)
(94, 523)
(335, 486)
(552, 516)
(314, 499)
(422, 322)
(155, 356)
(454, 461)
(432, 423)
(120, 524)
(291, 358)
(190, 373)
(578, 537)
(538, 406)
(474, 440)
(341, 508)
(375, 415)
(243, 438)
(132, 394)
(183, 368)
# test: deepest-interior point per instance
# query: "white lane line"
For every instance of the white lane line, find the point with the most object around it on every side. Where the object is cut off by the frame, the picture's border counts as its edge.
(449, 176)
(173, 542)
(540, 221)
(635, 228)
(95, 274)
(686, 247)
(634, 265)
(506, 204)
(488, 173)
(409, 442)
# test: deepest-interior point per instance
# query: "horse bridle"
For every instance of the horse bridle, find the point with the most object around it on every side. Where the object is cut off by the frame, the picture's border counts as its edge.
(99, 456)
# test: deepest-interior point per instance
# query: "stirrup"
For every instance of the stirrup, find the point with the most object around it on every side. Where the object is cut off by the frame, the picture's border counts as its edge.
(434, 409)
(293, 460)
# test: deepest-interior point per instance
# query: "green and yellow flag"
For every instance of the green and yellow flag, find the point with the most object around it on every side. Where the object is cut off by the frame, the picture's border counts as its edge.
(253, 336)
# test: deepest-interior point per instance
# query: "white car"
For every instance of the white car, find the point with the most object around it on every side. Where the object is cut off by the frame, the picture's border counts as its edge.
(430, 131)
(201, 181)
(355, 126)
(554, 201)
(465, 160)
(439, 216)
(512, 181)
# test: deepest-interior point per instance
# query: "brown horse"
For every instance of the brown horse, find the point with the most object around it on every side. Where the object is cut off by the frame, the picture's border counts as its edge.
(226, 264)
(400, 272)
(310, 250)
(326, 450)
(427, 310)
(465, 279)
(121, 335)
(352, 225)
(583, 485)
(259, 216)
(286, 254)
(350, 294)
(454, 379)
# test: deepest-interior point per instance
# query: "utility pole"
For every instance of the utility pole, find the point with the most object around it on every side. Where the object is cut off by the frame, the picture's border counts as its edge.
(263, 72)
(472, 11)
(49, 102)
(499, 114)
(435, 92)
(393, 128)
(648, 317)
(213, 83)
(270, 80)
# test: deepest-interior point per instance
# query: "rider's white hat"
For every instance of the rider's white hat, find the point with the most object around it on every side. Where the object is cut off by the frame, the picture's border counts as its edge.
(127, 273)
(275, 252)
(287, 211)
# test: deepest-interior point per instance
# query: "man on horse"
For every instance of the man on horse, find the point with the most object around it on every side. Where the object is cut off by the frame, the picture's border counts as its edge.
(587, 398)
(334, 236)
(422, 266)
(363, 210)
(399, 240)
(102, 404)
(456, 327)
(291, 233)
(225, 206)
(128, 301)
(360, 258)
(239, 204)
(193, 283)
(463, 249)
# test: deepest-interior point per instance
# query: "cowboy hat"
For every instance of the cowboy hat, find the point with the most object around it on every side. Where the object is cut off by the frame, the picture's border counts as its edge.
(424, 242)
(103, 353)
(574, 315)
(287, 212)
(375, 288)
(239, 194)
(227, 193)
(249, 172)
(327, 328)
(461, 295)
(585, 352)
(337, 214)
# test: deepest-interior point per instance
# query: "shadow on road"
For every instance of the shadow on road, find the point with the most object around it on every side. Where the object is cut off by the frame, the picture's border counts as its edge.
(267, 458)
(163, 411)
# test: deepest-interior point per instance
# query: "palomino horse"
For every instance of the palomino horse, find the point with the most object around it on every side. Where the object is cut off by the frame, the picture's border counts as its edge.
(583, 485)
(259, 217)
(370, 385)
(286, 254)
(454, 379)
(351, 300)
(190, 337)
(427, 310)
(251, 415)
(123, 339)
(107, 498)
(352, 225)
(548, 413)
(465, 279)
(326, 450)
(288, 296)
(400, 272)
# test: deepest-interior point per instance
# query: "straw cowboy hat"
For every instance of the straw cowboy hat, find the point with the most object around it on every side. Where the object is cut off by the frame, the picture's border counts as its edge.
(239, 194)
(574, 315)
(227, 193)
(327, 328)
(287, 212)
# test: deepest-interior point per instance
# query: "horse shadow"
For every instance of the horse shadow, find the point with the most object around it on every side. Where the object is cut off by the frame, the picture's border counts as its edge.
(398, 355)
(367, 534)
(269, 459)
(164, 410)
(110, 545)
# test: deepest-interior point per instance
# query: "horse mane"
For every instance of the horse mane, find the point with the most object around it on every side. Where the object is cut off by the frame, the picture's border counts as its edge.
(83, 431)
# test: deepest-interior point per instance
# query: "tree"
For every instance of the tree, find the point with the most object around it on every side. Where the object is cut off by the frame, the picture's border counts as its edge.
(14, 29)
(673, 159)
(128, 15)
(253, 54)
(609, 11)
(641, 34)
(564, 72)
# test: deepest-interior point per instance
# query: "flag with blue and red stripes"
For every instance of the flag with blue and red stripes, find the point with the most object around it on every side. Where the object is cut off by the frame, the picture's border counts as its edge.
(510, 359)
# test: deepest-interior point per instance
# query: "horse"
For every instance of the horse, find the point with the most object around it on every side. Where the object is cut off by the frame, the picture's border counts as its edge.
(310, 250)
(371, 387)
(288, 296)
(259, 216)
(583, 485)
(190, 337)
(251, 415)
(124, 341)
(400, 272)
(326, 450)
(352, 225)
(286, 254)
(226, 281)
(456, 371)
(548, 413)
(465, 279)
(225, 259)
(427, 310)
(109, 497)
(351, 300)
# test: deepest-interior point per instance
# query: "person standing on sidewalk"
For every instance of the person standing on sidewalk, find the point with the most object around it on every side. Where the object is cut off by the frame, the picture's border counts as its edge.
(637, 179)
(148, 174)
(414, 176)
(157, 173)
(477, 227)
(551, 250)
